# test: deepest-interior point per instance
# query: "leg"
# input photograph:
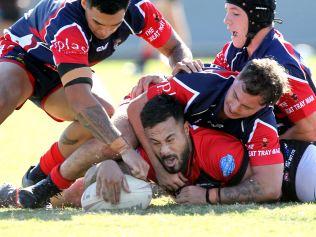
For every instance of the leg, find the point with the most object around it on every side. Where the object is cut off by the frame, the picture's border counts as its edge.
(305, 180)
(62, 176)
(72, 138)
(94, 151)
(72, 195)
(15, 88)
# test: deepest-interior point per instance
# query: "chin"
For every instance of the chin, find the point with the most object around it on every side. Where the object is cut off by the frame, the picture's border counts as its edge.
(239, 43)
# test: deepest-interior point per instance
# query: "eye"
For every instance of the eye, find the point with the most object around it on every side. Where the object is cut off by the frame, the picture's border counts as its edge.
(170, 140)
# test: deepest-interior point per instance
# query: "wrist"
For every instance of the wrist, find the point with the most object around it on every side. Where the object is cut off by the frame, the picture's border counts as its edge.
(119, 145)
(212, 196)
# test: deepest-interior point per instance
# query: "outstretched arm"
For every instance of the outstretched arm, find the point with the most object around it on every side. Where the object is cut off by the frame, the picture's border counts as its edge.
(180, 56)
(263, 185)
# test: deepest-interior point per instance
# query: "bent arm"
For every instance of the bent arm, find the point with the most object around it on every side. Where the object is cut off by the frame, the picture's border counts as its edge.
(133, 111)
(175, 50)
(304, 130)
(169, 181)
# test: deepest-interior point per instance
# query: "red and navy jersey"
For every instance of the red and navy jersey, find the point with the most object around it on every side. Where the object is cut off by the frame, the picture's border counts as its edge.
(56, 31)
(291, 107)
(203, 95)
(209, 156)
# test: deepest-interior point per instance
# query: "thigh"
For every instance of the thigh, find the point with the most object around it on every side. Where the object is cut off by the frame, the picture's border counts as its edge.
(305, 180)
(15, 85)
(56, 105)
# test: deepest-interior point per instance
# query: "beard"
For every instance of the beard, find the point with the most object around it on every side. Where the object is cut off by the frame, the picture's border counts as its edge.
(182, 161)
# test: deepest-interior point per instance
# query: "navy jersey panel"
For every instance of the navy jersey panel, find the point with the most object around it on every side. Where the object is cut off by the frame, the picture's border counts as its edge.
(203, 95)
(57, 32)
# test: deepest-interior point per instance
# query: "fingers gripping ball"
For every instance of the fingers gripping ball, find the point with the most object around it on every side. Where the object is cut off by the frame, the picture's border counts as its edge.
(139, 197)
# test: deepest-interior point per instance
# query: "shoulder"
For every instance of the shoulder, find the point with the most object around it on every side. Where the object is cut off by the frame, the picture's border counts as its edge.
(263, 121)
(137, 12)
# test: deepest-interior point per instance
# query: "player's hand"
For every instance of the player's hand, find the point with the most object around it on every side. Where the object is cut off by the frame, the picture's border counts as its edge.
(144, 83)
(171, 182)
(110, 180)
(188, 66)
(138, 166)
(191, 195)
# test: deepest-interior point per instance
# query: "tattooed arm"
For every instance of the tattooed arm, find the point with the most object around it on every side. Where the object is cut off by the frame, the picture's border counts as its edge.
(89, 112)
(92, 115)
(180, 56)
(263, 185)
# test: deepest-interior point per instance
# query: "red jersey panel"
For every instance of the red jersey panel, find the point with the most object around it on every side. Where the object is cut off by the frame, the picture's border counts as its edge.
(157, 30)
(203, 96)
(218, 154)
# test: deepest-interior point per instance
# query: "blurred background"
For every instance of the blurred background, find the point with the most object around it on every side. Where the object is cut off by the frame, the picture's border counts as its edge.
(203, 23)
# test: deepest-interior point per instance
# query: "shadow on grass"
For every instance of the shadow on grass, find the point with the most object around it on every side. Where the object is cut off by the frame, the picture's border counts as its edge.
(173, 209)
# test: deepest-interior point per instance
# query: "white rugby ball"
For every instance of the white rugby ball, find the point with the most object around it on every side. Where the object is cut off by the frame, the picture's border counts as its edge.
(139, 197)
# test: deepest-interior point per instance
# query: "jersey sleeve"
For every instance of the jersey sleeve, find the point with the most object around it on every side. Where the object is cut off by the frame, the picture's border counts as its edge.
(70, 45)
(171, 87)
(263, 145)
(221, 164)
(300, 103)
(156, 31)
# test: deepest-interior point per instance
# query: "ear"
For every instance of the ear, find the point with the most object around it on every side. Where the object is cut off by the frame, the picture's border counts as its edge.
(84, 4)
(186, 126)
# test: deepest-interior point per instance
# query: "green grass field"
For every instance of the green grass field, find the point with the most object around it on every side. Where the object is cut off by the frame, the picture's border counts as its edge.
(29, 132)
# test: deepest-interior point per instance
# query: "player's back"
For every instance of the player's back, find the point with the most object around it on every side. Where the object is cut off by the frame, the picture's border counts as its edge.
(35, 31)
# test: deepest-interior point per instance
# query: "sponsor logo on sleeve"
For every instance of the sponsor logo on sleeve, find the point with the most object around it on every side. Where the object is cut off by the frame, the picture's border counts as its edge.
(227, 164)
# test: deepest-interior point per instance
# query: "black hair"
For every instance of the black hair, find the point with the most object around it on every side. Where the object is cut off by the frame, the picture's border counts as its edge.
(108, 6)
(159, 109)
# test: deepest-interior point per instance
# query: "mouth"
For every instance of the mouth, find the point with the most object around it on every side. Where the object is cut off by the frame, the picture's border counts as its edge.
(170, 161)
(234, 34)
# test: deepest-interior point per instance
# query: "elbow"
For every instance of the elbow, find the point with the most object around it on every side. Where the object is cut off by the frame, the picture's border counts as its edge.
(129, 110)
(274, 194)
(312, 137)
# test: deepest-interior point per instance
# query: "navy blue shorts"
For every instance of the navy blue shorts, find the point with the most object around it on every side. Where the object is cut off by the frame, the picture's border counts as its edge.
(292, 151)
(43, 77)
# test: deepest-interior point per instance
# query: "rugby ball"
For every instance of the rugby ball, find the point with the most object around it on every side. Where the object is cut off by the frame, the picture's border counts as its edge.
(139, 197)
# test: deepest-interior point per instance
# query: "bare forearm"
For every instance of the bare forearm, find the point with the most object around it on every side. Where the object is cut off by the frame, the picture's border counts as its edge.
(98, 122)
(248, 191)
(297, 134)
(179, 53)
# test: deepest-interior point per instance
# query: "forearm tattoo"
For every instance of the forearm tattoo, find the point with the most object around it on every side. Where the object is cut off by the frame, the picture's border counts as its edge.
(98, 122)
(247, 191)
(179, 53)
(67, 141)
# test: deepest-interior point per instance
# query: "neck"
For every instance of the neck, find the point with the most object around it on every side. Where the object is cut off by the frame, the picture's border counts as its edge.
(257, 40)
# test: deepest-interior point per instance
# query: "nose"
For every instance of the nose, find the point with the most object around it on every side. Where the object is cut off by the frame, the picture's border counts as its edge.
(234, 107)
(105, 32)
(164, 150)
(226, 19)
